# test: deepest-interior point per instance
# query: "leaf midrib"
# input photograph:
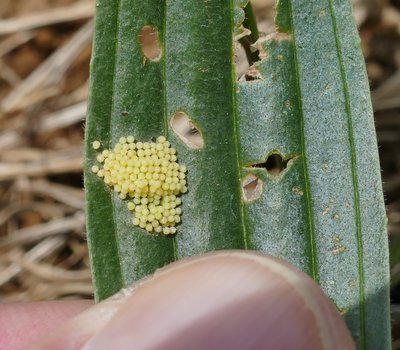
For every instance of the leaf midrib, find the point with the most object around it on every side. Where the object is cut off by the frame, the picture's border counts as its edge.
(116, 47)
(362, 341)
(310, 212)
(165, 100)
(236, 141)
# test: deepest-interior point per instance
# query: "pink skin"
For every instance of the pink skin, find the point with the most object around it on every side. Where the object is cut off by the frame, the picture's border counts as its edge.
(224, 300)
(22, 323)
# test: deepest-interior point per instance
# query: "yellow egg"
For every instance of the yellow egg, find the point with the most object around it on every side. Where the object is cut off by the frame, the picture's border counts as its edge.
(96, 144)
(148, 174)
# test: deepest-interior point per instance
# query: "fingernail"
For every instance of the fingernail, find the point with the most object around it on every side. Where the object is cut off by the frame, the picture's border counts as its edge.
(226, 300)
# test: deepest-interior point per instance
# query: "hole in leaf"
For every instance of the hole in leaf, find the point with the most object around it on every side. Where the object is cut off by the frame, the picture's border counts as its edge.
(150, 43)
(241, 63)
(251, 187)
(187, 131)
(265, 12)
(246, 35)
(253, 73)
(250, 34)
(275, 164)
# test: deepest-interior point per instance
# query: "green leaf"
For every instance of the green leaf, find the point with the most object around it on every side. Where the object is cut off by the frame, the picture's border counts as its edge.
(308, 110)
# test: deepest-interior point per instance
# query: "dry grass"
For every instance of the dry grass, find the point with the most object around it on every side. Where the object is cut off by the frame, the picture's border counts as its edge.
(44, 56)
(45, 49)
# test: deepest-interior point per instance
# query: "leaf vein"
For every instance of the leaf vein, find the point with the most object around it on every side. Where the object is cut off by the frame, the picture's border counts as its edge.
(246, 237)
(165, 101)
(116, 48)
(310, 212)
(354, 176)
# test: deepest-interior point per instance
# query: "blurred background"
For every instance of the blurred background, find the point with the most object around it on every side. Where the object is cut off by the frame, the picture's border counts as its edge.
(45, 48)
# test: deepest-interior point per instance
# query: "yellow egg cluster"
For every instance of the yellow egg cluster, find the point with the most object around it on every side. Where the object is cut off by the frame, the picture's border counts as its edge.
(149, 175)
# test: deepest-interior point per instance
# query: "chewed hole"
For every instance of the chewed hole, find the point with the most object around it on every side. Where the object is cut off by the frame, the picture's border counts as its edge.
(253, 73)
(187, 131)
(275, 164)
(241, 63)
(251, 187)
(150, 43)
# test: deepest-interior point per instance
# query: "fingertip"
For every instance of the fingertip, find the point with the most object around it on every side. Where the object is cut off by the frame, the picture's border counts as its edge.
(226, 300)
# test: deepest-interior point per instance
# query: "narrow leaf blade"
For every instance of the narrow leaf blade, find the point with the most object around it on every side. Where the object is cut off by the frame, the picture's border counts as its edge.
(324, 213)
